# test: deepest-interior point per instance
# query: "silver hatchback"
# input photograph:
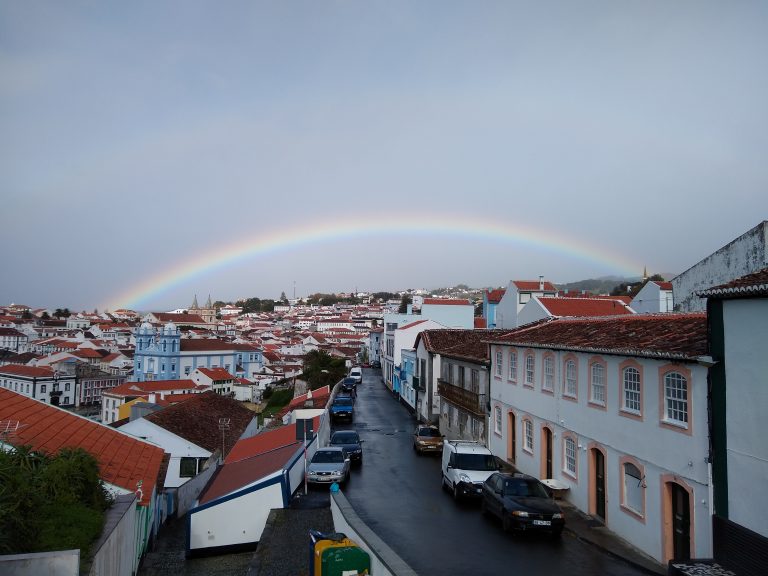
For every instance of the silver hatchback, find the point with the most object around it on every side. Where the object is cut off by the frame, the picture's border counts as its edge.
(329, 465)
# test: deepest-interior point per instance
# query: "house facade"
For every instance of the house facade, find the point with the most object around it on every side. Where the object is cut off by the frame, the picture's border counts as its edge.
(738, 327)
(517, 295)
(40, 383)
(655, 296)
(163, 355)
(491, 299)
(614, 410)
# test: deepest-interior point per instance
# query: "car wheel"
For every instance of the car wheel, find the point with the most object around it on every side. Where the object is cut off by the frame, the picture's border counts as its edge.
(444, 484)
(483, 507)
(456, 494)
(557, 534)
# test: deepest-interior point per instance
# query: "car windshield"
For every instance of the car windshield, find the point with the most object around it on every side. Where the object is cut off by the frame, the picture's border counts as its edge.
(476, 462)
(327, 456)
(343, 401)
(431, 432)
(344, 438)
(524, 488)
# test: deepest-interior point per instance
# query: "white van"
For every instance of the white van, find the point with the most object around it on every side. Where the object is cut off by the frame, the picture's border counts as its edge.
(357, 373)
(466, 465)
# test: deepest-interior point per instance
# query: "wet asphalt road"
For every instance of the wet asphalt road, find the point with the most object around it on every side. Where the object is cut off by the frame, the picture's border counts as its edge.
(398, 494)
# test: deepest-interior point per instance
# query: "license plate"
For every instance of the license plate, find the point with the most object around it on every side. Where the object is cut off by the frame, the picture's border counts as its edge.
(542, 523)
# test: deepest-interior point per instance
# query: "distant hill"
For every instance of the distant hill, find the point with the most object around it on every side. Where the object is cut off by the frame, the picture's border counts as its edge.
(602, 285)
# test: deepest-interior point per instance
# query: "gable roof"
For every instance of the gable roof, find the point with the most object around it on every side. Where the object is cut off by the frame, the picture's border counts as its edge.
(663, 285)
(667, 335)
(197, 420)
(411, 325)
(216, 374)
(123, 460)
(266, 441)
(179, 318)
(749, 286)
(533, 286)
(495, 296)
(209, 344)
(460, 343)
(26, 371)
(583, 306)
(148, 387)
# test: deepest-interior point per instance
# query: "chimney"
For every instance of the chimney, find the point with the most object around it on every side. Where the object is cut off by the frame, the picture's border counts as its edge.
(541, 282)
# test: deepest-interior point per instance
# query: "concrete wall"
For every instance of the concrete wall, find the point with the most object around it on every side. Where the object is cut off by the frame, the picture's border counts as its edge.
(746, 254)
(660, 452)
(60, 563)
(188, 493)
(114, 552)
(746, 334)
(384, 560)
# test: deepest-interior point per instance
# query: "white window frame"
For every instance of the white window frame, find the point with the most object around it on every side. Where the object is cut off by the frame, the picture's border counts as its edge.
(499, 363)
(570, 452)
(530, 369)
(571, 388)
(634, 488)
(598, 383)
(548, 382)
(528, 435)
(629, 395)
(676, 399)
(512, 377)
(497, 420)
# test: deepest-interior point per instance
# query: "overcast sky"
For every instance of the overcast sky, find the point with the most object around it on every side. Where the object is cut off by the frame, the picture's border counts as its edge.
(137, 137)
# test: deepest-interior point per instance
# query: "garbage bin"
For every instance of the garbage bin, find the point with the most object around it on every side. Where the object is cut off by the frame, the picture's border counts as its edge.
(333, 554)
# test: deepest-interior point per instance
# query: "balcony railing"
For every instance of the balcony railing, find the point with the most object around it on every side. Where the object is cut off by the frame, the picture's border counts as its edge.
(463, 398)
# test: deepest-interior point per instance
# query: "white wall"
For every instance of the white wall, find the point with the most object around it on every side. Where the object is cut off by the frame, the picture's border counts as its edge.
(176, 446)
(531, 311)
(746, 254)
(237, 520)
(746, 334)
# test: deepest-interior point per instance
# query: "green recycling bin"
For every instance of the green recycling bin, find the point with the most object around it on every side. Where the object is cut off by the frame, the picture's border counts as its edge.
(342, 560)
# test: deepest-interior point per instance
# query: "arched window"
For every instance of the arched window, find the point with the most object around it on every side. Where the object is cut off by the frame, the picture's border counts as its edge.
(634, 488)
(549, 374)
(528, 434)
(513, 366)
(529, 369)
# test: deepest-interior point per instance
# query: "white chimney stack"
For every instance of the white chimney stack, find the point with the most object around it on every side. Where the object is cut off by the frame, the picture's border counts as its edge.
(541, 283)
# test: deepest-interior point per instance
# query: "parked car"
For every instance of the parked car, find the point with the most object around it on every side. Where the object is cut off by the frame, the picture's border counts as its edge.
(343, 407)
(427, 439)
(375, 364)
(350, 441)
(466, 465)
(357, 373)
(348, 385)
(329, 465)
(522, 502)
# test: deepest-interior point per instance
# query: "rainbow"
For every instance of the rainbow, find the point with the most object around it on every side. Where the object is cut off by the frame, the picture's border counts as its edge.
(268, 242)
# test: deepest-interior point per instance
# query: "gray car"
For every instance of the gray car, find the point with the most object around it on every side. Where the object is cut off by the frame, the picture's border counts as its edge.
(329, 465)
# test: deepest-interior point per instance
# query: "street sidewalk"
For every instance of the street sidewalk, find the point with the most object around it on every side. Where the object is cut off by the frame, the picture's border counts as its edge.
(592, 531)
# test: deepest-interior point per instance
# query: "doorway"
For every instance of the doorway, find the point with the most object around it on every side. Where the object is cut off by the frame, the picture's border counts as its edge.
(599, 460)
(547, 437)
(512, 443)
(681, 523)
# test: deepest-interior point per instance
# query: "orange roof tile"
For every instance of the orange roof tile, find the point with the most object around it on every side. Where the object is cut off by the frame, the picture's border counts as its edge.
(123, 460)
(447, 302)
(583, 306)
(27, 371)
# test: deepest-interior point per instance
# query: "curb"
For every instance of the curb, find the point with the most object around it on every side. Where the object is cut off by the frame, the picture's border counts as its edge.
(614, 554)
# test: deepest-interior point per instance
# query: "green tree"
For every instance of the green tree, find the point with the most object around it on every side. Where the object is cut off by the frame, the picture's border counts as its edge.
(283, 297)
(50, 502)
(404, 302)
(322, 369)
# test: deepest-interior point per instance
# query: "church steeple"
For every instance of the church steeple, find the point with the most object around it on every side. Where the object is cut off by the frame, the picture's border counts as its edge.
(645, 273)
(194, 304)
(208, 304)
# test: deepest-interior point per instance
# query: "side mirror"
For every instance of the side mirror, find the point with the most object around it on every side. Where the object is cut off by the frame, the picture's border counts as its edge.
(346, 459)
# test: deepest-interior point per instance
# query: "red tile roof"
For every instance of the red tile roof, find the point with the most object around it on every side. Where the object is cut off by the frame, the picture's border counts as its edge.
(583, 306)
(26, 371)
(234, 476)
(197, 420)
(465, 344)
(267, 441)
(495, 296)
(669, 335)
(206, 344)
(663, 285)
(480, 322)
(533, 286)
(179, 318)
(749, 286)
(447, 302)
(217, 373)
(142, 388)
(123, 459)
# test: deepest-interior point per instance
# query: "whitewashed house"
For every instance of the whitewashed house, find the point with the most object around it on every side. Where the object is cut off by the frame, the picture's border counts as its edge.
(738, 325)
(517, 295)
(613, 409)
(655, 296)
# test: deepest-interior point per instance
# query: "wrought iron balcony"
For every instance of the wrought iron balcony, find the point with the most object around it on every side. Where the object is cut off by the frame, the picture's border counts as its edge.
(463, 398)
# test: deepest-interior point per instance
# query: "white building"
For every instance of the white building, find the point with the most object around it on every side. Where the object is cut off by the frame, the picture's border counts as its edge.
(738, 325)
(745, 255)
(517, 295)
(655, 296)
(40, 383)
(615, 409)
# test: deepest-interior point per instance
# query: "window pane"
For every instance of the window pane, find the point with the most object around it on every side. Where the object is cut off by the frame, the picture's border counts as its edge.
(676, 397)
(598, 383)
(632, 389)
(549, 373)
